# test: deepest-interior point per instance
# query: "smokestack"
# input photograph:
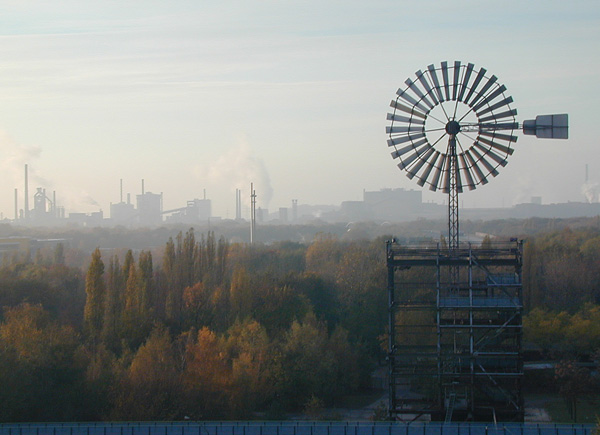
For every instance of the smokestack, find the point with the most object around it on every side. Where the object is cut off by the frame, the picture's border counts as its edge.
(54, 204)
(252, 213)
(142, 186)
(586, 174)
(16, 205)
(121, 190)
(26, 195)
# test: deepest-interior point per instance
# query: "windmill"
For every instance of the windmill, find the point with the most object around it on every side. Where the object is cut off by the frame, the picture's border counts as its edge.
(455, 352)
(453, 126)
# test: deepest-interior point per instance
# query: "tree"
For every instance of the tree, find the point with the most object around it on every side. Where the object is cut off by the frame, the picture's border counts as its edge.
(196, 300)
(149, 389)
(207, 377)
(307, 364)
(323, 255)
(59, 254)
(146, 285)
(250, 352)
(574, 382)
(95, 293)
(136, 313)
(113, 309)
(38, 367)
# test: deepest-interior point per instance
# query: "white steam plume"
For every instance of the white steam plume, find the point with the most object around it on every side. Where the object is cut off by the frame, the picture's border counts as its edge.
(590, 192)
(77, 199)
(14, 157)
(236, 169)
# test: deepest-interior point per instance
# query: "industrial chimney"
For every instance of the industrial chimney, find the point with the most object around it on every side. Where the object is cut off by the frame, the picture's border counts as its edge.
(26, 205)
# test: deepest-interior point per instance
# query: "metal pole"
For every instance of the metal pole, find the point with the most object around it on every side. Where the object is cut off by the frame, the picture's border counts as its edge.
(391, 332)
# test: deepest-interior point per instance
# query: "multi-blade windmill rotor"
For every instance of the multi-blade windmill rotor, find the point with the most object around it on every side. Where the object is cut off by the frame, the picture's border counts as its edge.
(453, 126)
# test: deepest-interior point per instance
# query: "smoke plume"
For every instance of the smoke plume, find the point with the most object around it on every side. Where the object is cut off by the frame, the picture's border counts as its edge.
(14, 157)
(590, 192)
(239, 167)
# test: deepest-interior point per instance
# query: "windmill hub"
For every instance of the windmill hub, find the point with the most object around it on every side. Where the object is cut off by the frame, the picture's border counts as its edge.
(452, 128)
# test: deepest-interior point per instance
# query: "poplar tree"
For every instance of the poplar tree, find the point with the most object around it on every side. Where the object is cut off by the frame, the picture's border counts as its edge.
(173, 297)
(146, 287)
(95, 294)
(113, 303)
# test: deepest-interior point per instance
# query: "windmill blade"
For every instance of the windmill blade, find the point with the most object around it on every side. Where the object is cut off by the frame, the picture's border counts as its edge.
(506, 137)
(465, 81)
(408, 148)
(445, 77)
(401, 118)
(456, 77)
(403, 129)
(487, 151)
(501, 115)
(499, 104)
(423, 178)
(490, 168)
(459, 186)
(489, 98)
(428, 88)
(446, 178)
(434, 184)
(407, 97)
(403, 139)
(407, 162)
(411, 110)
(436, 82)
(420, 94)
(419, 164)
(478, 79)
(466, 171)
(502, 148)
(485, 88)
(482, 179)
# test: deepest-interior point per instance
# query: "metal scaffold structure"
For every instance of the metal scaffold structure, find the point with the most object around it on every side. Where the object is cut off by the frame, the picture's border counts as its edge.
(455, 346)
(455, 310)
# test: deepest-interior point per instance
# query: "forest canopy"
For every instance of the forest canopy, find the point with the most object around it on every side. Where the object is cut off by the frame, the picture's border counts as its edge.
(204, 328)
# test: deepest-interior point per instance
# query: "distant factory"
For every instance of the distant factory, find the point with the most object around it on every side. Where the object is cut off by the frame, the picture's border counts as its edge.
(148, 211)
(385, 205)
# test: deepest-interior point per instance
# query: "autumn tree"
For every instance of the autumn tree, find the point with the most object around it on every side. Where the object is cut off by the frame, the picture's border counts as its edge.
(113, 308)
(149, 389)
(308, 365)
(207, 377)
(95, 291)
(136, 317)
(196, 301)
(38, 367)
(251, 354)
(323, 255)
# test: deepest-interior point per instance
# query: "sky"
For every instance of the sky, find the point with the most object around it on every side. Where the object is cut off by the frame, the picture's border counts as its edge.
(205, 97)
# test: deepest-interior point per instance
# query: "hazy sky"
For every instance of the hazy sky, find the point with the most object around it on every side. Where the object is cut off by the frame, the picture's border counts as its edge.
(292, 95)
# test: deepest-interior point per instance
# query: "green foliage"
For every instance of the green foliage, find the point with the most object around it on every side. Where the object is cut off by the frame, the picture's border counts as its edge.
(149, 387)
(93, 314)
(41, 377)
(563, 333)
